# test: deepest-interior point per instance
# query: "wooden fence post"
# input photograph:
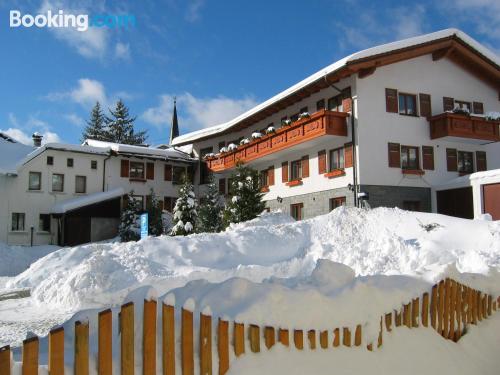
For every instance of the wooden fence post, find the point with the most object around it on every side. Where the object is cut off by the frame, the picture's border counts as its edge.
(56, 351)
(81, 363)
(380, 338)
(479, 303)
(346, 337)
(458, 309)
(168, 339)
(388, 322)
(425, 309)
(323, 339)
(254, 337)
(434, 305)
(205, 344)
(187, 345)
(453, 294)
(446, 310)
(269, 337)
(105, 343)
(284, 337)
(149, 338)
(397, 318)
(30, 356)
(5, 360)
(298, 338)
(415, 312)
(357, 335)
(223, 346)
(127, 339)
(336, 337)
(239, 339)
(311, 337)
(440, 311)
(407, 315)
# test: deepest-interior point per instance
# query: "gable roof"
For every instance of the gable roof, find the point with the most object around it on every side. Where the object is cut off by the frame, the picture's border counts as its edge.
(11, 153)
(450, 43)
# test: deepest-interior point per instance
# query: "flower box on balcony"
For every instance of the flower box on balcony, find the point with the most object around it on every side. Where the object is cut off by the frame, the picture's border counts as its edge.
(335, 173)
(417, 172)
(294, 183)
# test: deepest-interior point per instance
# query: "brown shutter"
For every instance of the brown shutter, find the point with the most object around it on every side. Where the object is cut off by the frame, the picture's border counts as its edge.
(150, 171)
(428, 157)
(391, 100)
(451, 159)
(305, 166)
(222, 185)
(124, 168)
(425, 105)
(168, 172)
(448, 104)
(348, 155)
(477, 108)
(148, 202)
(394, 155)
(270, 175)
(284, 171)
(321, 161)
(481, 161)
(167, 204)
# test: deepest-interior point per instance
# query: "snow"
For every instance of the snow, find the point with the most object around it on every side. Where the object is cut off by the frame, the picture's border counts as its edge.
(11, 154)
(16, 259)
(169, 299)
(73, 204)
(189, 305)
(485, 177)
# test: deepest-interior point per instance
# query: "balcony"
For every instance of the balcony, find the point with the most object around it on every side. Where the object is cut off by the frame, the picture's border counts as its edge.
(464, 127)
(319, 124)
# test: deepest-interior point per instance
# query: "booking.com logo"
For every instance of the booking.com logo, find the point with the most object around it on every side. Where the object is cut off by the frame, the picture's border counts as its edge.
(80, 22)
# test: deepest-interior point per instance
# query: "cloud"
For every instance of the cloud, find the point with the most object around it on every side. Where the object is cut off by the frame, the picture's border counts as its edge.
(23, 132)
(22, 137)
(122, 51)
(196, 113)
(74, 119)
(194, 10)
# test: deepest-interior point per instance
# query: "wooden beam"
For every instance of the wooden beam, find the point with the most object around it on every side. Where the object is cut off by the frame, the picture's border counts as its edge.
(365, 72)
(442, 53)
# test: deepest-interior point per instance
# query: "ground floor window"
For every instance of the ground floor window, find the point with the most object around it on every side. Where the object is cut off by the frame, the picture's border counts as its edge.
(44, 223)
(17, 221)
(409, 157)
(336, 202)
(80, 184)
(465, 162)
(296, 210)
(411, 205)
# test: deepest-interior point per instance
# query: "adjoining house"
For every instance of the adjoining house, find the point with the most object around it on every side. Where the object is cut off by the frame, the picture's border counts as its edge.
(381, 127)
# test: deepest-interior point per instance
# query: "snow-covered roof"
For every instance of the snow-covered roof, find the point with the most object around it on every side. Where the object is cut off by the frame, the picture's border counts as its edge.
(11, 154)
(86, 200)
(370, 52)
(486, 177)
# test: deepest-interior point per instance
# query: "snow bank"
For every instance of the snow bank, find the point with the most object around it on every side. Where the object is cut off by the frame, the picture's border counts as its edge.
(16, 259)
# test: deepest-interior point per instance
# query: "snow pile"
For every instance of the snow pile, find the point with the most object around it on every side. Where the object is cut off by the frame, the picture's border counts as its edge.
(16, 259)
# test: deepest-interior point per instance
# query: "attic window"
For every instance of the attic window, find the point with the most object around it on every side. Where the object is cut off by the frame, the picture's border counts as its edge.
(50, 160)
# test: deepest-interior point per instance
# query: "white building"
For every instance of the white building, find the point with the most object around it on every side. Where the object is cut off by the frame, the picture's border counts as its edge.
(379, 125)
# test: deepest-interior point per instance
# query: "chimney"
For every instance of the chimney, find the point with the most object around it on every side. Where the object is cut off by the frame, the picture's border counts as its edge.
(37, 139)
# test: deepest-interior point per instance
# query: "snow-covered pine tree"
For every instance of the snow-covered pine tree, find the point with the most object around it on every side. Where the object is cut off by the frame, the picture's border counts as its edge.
(185, 210)
(95, 128)
(211, 209)
(120, 127)
(246, 201)
(155, 223)
(129, 221)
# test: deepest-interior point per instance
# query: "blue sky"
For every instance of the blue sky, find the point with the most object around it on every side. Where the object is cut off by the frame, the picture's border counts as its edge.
(219, 58)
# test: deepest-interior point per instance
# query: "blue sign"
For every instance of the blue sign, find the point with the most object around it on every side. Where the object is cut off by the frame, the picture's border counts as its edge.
(144, 226)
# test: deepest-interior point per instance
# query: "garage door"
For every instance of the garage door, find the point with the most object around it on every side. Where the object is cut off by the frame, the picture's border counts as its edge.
(491, 200)
(456, 202)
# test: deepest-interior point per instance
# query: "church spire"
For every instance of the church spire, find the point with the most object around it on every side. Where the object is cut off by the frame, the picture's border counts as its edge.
(174, 128)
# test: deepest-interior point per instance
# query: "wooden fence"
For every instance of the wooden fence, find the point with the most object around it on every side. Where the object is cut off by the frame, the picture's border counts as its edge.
(448, 309)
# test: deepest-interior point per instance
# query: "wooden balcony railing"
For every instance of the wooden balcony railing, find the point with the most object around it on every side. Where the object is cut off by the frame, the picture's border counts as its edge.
(464, 126)
(319, 124)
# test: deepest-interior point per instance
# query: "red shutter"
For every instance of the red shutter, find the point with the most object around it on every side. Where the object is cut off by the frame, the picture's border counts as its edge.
(150, 171)
(321, 161)
(394, 155)
(284, 171)
(270, 175)
(448, 104)
(168, 172)
(348, 155)
(428, 157)
(124, 168)
(305, 166)
(425, 105)
(451, 159)
(477, 108)
(391, 100)
(481, 161)
(222, 185)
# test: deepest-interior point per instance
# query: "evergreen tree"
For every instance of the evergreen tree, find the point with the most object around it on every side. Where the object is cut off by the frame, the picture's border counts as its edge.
(95, 128)
(155, 223)
(211, 209)
(185, 213)
(120, 127)
(246, 202)
(129, 229)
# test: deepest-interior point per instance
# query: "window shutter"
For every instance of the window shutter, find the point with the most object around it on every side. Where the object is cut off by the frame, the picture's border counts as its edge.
(124, 201)
(428, 157)
(477, 108)
(425, 105)
(321, 161)
(167, 204)
(148, 202)
(124, 168)
(284, 171)
(348, 155)
(270, 175)
(150, 171)
(451, 159)
(448, 104)
(222, 185)
(305, 166)
(481, 161)
(394, 155)
(168, 172)
(391, 100)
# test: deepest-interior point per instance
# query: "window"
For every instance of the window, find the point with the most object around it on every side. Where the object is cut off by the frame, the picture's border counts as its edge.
(463, 105)
(465, 162)
(137, 170)
(178, 174)
(296, 210)
(69, 162)
(140, 201)
(206, 150)
(283, 119)
(35, 181)
(304, 109)
(80, 184)
(205, 173)
(335, 103)
(57, 182)
(337, 159)
(320, 104)
(336, 202)
(407, 104)
(44, 223)
(294, 117)
(411, 205)
(296, 169)
(230, 187)
(409, 157)
(221, 145)
(93, 164)
(481, 161)
(169, 203)
(50, 160)
(17, 221)
(264, 178)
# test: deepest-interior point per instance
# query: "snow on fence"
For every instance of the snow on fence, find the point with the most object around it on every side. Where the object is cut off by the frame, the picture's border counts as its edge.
(448, 309)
